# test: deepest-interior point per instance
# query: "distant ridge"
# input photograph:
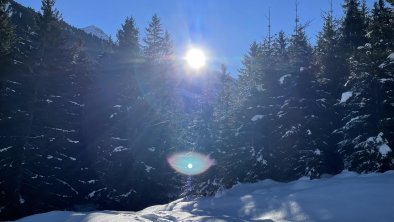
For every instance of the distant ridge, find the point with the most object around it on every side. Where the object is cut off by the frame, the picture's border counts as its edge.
(96, 31)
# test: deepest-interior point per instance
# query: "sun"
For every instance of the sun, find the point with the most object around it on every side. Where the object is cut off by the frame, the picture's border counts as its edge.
(189, 165)
(196, 58)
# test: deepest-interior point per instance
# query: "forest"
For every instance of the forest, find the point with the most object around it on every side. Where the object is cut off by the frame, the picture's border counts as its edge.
(88, 124)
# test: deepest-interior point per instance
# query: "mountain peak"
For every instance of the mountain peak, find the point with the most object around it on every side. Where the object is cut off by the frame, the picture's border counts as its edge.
(96, 31)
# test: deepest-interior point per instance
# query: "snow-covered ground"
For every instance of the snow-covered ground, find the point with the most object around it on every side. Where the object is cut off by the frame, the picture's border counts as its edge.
(344, 197)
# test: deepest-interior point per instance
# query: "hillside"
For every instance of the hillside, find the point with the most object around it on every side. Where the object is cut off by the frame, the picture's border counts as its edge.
(344, 197)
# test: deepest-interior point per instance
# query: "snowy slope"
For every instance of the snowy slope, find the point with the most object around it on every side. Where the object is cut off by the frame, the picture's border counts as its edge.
(93, 30)
(345, 197)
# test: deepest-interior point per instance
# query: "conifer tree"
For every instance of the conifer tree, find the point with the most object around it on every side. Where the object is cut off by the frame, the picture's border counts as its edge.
(300, 51)
(301, 142)
(51, 47)
(7, 35)
(52, 135)
(366, 134)
(380, 31)
(155, 39)
(128, 37)
(159, 64)
(353, 26)
(250, 70)
(329, 59)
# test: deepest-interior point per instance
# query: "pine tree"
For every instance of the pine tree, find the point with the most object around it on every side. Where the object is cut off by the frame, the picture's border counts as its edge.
(367, 132)
(380, 30)
(250, 70)
(300, 51)
(159, 64)
(280, 45)
(331, 77)
(128, 37)
(330, 61)
(122, 136)
(135, 123)
(301, 141)
(353, 26)
(156, 41)
(51, 149)
(51, 49)
(218, 127)
(7, 35)
(251, 120)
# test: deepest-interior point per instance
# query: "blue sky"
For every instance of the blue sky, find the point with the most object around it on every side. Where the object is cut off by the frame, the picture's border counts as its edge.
(223, 28)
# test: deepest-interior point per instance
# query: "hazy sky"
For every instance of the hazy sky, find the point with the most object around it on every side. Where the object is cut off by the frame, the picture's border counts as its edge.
(224, 28)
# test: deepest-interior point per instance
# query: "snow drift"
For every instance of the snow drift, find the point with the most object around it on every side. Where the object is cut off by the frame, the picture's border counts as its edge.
(344, 197)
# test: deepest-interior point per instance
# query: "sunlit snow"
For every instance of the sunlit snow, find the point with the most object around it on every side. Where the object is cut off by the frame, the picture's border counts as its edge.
(5, 149)
(346, 96)
(391, 56)
(341, 198)
(384, 149)
(257, 117)
(282, 79)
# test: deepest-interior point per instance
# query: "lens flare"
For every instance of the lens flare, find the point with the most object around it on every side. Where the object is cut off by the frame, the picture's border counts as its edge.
(190, 163)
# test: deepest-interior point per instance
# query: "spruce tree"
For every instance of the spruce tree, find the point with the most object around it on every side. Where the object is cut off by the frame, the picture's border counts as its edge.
(380, 31)
(353, 28)
(301, 140)
(329, 58)
(366, 135)
(51, 149)
(128, 37)
(250, 70)
(154, 41)
(7, 35)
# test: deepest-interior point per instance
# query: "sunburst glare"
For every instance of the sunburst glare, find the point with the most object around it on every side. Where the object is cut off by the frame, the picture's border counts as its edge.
(195, 58)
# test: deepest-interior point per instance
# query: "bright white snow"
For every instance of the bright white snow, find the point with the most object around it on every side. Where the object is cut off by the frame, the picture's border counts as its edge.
(68, 185)
(384, 149)
(63, 130)
(384, 80)
(113, 115)
(13, 82)
(260, 88)
(72, 141)
(344, 197)
(91, 195)
(119, 149)
(257, 117)
(21, 200)
(128, 193)
(5, 149)
(391, 56)
(148, 168)
(346, 96)
(77, 104)
(118, 138)
(282, 79)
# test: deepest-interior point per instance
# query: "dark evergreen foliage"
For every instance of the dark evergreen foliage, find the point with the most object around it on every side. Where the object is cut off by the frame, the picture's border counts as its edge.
(7, 35)
(89, 124)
